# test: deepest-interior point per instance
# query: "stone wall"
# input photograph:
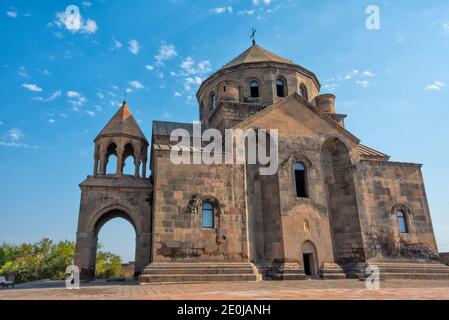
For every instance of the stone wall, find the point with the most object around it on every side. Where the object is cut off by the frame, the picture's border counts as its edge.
(382, 188)
(179, 191)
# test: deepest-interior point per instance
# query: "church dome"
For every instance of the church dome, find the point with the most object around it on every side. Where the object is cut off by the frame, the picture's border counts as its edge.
(256, 76)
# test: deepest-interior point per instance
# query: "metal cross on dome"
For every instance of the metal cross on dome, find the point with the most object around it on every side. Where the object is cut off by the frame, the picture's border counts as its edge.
(253, 35)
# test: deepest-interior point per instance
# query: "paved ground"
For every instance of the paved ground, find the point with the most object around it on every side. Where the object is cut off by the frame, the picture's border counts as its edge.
(297, 290)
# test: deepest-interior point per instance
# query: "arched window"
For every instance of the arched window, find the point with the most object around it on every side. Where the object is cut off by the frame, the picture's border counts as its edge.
(402, 221)
(213, 100)
(303, 92)
(280, 88)
(254, 89)
(300, 180)
(207, 215)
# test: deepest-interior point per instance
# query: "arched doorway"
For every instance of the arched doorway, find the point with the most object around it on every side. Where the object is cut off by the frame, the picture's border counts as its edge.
(101, 226)
(309, 259)
(116, 239)
(87, 239)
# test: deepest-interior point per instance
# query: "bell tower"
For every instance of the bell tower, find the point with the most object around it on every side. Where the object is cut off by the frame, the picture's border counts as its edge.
(123, 138)
(116, 195)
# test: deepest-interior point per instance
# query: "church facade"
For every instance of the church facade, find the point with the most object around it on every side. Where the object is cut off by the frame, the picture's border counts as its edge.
(333, 207)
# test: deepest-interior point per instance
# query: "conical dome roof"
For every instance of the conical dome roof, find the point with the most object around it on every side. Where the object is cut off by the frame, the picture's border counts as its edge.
(122, 123)
(256, 53)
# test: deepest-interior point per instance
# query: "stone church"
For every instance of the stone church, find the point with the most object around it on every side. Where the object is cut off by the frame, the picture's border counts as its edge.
(333, 208)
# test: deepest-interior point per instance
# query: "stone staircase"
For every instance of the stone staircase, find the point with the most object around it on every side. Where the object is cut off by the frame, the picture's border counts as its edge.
(166, 272)
(284, 271)
(405, 270)
(332, 271)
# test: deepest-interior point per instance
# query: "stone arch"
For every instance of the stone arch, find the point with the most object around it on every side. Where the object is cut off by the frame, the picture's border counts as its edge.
(342, 201)
(129, 150)
(102, 216)
(87, 239)
(309, 256)
(110, 150)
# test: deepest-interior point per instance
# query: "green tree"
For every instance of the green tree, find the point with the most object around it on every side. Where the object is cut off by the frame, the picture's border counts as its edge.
(48, 260)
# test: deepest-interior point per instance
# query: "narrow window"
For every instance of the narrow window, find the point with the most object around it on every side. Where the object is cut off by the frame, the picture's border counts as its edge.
(280, 88)
(303, 92)
(300, 179)
(254, 88)
(402, 221)
(213, 101)
(207, 215)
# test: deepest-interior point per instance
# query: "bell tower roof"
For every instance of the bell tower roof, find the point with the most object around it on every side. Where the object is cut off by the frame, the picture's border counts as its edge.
(122, 124)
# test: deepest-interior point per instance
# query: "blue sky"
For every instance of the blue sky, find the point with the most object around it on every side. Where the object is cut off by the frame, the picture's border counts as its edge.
(59, 88)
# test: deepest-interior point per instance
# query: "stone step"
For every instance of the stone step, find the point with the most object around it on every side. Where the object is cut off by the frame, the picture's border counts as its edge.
(180, 270)
(333, 276)
(179, 278)
(331, 271)
(399, 270)
(414, 276)
(198, 272)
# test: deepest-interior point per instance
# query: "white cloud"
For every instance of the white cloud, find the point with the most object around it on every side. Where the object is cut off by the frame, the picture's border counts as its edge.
(51, 120)
(133, 46)
(13, 139)
(257, 2)
(32, 87)
(189, 67)
(11, 13)
(363, 83)
(15, 134)
(76, 99)
(191, 82)
(246, 11)
(178, 94)
(90, 113)
(23, 72)
(436, 86)
(166, 52)
(351, 74)
(73, 94)
(88, 26)
(368, 73)
(87, 4)
(52, 97)
(330, 86)
(136, 84)
(149, 67)
(117, 44)
(221, 10)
